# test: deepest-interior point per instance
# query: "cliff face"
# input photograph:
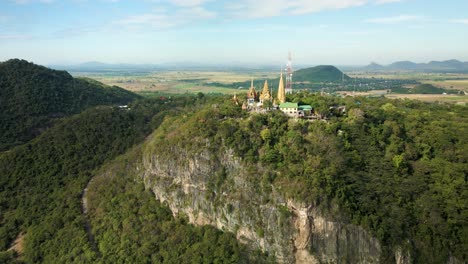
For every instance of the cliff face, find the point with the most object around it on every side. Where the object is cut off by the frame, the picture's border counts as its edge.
(219, 190)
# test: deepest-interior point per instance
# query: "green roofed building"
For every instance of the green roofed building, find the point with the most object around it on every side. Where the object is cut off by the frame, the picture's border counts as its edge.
(295, 110)
(305, 107)
(291, 109)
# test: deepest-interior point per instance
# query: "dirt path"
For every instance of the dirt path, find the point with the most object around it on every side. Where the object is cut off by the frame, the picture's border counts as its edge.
(18, 244)
(88, 228)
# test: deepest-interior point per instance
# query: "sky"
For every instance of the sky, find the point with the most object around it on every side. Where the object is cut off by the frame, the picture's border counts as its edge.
(339, 32)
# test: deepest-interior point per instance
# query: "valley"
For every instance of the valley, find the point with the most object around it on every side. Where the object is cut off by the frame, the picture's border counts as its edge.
(177, 82)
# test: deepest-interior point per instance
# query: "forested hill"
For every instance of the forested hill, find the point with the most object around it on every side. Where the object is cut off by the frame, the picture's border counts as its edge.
(314, 75)
(396, 168)
(322, 73)
(32, 95)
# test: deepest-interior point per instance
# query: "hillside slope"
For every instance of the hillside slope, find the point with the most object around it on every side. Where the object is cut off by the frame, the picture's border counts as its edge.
(42, 181)
(31, 96)
(427, 89)
(386, 182)
(322, 73)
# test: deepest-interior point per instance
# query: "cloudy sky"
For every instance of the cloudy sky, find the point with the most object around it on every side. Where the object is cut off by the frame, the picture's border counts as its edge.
(340, 32)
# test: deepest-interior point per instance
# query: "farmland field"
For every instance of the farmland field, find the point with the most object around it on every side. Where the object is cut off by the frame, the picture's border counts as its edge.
(458, 81)
(175, 82)
(448, 98)
(159, 83)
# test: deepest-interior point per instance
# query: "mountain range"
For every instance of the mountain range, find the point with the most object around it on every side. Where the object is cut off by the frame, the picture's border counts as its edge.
(96, 66)
(432, 66)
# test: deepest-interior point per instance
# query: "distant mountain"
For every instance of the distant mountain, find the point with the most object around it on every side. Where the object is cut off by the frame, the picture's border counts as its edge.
(322, 73)
(403, 65)
(317, 74)
(427, 89)
(374, 67)
(447, 65)
(31, 96)
(97, 66)
(433, 66)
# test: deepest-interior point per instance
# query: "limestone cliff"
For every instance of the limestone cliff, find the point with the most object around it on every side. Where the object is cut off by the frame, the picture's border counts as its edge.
(219, 190)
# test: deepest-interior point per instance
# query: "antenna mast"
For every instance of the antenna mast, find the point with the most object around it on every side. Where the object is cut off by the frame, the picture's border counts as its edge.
(289, 74)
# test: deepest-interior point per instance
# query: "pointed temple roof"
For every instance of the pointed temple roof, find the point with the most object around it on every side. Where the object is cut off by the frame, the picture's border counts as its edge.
(252, 93)
(281, 91)
(265, 96)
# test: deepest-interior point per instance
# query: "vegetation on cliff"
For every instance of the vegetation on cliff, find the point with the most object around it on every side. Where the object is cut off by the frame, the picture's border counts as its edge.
(397, 168)
(42, 183)
(127, 218)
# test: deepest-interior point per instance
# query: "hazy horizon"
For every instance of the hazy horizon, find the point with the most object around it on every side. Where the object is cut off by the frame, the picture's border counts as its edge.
(260, 32)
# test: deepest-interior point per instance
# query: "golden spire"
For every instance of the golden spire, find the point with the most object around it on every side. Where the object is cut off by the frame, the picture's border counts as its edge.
(281, 91)
(265, 96)
(252, 93)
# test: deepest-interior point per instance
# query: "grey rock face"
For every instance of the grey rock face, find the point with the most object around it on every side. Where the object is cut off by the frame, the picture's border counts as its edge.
(220, 191)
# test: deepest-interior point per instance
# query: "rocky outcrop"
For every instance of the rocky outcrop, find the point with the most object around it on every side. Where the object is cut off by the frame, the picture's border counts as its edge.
(219, 190)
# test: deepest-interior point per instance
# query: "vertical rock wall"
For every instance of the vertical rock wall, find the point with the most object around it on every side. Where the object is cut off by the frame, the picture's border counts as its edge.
(295, 233)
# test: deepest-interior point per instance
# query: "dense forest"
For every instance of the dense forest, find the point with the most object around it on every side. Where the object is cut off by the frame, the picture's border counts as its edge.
(32, 96)
(42, 182)
(395, 167)
(398, 168)
(127, 218)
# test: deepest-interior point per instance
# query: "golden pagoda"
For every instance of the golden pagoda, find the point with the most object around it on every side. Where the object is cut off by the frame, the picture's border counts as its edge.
(265, 95)
(281, 91)
(252, 94)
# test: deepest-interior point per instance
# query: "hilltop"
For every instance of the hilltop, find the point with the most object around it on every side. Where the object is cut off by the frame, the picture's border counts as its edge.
(321, 73)
(312, 75)
(427, 89)
(31, 96)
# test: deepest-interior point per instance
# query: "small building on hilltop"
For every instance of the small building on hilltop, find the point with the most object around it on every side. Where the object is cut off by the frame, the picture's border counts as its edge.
(295, 110)
(305, 110)
(290, 109)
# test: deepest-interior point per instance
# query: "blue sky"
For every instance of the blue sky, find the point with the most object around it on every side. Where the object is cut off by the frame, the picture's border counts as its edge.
(340, 32)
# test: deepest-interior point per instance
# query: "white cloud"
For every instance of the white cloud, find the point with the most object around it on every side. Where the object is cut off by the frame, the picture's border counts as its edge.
(394, 19)
(271, 8)
(22, 2)
(14, 36)
(362, 32)
(188, 3)
(306, 6)
(381, 2)
(158, 21)
(162, 19)
(460, 21)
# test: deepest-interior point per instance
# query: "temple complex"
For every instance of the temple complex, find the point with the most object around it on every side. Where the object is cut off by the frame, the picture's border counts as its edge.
(264, 101)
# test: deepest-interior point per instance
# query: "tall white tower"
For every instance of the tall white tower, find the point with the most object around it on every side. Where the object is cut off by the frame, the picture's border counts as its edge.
(289, 73)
